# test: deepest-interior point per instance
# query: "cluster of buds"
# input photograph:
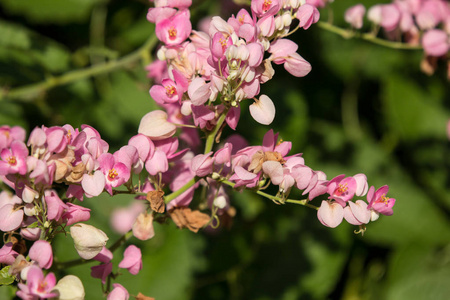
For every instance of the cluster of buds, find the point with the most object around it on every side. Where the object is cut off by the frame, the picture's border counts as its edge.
(421, 22)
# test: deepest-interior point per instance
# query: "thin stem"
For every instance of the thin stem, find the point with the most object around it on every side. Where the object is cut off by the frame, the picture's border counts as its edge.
(28, 92)
(303, 202)
(180, 191)
(212, 135)
(347, 34)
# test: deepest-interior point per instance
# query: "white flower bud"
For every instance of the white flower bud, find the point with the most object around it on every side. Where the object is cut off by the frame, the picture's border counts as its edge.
(70, 287)
(88, 240)
(220, 202)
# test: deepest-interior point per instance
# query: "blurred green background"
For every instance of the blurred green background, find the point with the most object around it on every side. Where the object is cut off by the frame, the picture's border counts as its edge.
(363, 108)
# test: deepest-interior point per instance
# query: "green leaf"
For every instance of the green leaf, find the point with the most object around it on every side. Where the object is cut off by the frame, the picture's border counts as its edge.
(419, 272)
(51, 11)
(412, 111)
(21, 45)
(5, 277)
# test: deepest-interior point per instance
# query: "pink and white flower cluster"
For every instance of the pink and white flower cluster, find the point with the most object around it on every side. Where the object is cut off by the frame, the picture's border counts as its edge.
(223, 65)
(424, 22)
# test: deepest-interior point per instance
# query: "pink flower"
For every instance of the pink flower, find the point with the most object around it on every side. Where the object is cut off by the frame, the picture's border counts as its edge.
(94, 184)
(341, 189)
(262, 7)
(354, 15)
(55, 206)
(173, 3)
(307, 15)
(42, 253)
(14, 159)
(118, 293)
(378, 201)
(330, 214)
(199, 91)
(101, 271)
(284, 52)
(202, 165)
(9, 134)
(155, 125)
(7, 254)
(171, 91)
(75, 213)
(116, 173)
(435, 42)
(357, 213)
(132, 260)
(10, 216)
(37, 285)
(122, 219)
(104, 256)
(242, 177)
(174, 30)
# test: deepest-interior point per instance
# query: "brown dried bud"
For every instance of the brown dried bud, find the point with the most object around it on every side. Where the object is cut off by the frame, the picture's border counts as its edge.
(19, 245)
(257, 161)
(77, 173)
(156, 201)
(274, 156)
(184, 217)
(63, 162)
(18, 265)
(260, 157)
(141, 296)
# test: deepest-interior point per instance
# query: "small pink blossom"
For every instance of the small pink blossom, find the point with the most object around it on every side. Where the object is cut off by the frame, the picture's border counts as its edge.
(341, 189)
(7, 254)
(155, 125)
(42, 253)
(202, 165)
(357, 213)
(37, 285)
(93, 185)
(307, 15)
(354, 15)
(436, 42)
(75, 213)
(379, 202)
(116, 173)
(118, 293)
(174, 30)
(101, 271)
(330, 214)
(132, 260)
(13, 160)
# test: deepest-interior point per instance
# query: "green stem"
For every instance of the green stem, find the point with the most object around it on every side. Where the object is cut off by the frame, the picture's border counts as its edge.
(28, 92)
(303, 202)
(212, 135)
(347, 34)
(180, 191)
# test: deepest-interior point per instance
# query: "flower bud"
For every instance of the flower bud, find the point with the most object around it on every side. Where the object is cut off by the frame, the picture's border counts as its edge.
(88, 240)
(70, 287)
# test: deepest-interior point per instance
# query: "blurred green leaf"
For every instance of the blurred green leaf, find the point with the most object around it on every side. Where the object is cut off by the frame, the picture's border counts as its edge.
(419, 272)
(51, 11)
(21, 45)
(412, 111)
